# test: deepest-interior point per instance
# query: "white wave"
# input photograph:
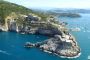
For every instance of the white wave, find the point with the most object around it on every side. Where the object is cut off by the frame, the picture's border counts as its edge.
(4, 52)
(70, 57)
(64, 56)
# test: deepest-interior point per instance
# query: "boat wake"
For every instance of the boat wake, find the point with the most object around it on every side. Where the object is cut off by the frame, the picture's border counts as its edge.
(4, 52)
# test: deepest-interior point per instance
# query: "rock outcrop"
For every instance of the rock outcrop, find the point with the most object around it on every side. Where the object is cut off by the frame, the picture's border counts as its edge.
(61, 43)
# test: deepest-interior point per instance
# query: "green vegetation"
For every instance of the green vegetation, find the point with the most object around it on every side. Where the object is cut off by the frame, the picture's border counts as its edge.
(7, 8)
(42, 15)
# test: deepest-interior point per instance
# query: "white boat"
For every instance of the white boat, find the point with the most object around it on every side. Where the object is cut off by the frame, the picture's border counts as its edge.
(75, 29)
(89, 57)
(23, 33)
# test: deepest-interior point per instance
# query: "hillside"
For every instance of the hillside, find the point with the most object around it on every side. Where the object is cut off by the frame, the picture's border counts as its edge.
(6, 8)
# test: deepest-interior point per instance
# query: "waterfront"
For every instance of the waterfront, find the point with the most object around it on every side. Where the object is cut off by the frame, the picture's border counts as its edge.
(11, 44)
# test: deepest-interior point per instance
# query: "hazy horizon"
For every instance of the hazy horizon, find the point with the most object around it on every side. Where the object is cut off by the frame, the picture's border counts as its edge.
(49, 4)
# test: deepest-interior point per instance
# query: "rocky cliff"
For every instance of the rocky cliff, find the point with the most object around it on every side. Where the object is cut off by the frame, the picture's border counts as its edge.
(61, 43)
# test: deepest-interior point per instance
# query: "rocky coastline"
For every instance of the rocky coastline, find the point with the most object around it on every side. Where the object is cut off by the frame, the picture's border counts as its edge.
(60, 43)
(58, 46)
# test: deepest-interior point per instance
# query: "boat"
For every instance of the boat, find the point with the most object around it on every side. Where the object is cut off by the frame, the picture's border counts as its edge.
(89, 57)
(75, 29)
(28, 45)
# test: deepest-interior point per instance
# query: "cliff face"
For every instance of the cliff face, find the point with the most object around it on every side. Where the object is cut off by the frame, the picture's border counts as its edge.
(32, 23)
(13, 17)
(61, 43)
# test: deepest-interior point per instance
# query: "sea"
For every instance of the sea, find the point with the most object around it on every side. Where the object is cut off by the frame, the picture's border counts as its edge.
(12, 43)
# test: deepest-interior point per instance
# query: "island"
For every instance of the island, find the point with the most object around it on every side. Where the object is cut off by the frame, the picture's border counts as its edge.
(22, 20)
(71, 13)
(65, 14)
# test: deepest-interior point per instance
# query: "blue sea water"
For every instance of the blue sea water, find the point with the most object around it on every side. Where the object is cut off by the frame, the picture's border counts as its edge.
(11, 43)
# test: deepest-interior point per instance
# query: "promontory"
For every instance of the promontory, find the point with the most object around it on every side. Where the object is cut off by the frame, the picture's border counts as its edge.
(22, 20)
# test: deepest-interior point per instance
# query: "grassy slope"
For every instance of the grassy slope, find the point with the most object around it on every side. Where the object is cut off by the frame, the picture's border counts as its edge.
(6, 8)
